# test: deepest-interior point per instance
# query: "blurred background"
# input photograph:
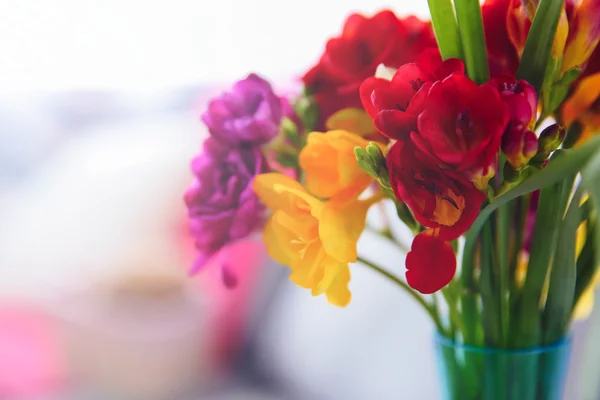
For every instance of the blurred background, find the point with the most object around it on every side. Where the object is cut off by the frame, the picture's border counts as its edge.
(99, 117)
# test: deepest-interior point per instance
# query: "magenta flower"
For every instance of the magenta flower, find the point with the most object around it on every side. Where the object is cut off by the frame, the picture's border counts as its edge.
(248, 115)
(221, 204)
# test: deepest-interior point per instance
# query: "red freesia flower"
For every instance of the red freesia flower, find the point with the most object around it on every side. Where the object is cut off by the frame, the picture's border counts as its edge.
(441, 199)
(520, 98)
(502, 54)
(430, 264)
(462, 125)
(355, 54)
(519, 142)
(394, 105)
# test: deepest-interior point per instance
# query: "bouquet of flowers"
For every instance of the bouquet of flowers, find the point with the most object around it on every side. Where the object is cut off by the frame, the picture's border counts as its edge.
(479, 127)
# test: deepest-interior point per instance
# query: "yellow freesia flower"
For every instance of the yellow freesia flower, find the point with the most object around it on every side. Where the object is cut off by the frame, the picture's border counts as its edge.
(584, 34)
(581, 107)
(315, 239)
(330, 165)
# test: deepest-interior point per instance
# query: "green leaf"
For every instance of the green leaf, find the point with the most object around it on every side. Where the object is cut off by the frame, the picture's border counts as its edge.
(536, 54)
(470, 26)
(545, 234)
(586, 265)
(560, 89)
(287, 160)
(290, 131)
(563, 277)
(591, 181)
(572, 161)
(490, 299)
(308, 111)
(445, 28)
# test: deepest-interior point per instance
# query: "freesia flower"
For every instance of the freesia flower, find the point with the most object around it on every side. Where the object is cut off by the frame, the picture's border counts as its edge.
(462, 125)
(584, 32)
(248, 115)
(518, 23)
(440, 199)
(577, 34)
(221, 204)
(351, 57)
(394, 105)
(519, 142)
(583, 105)
(520, 98)
(330, 165)
(502, 54)
(315, 239)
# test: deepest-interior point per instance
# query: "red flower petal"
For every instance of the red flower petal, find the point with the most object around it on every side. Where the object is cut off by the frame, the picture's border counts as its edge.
(395, 124)
(366, 91)
(430, 264)
(439, 198)
(430, 60)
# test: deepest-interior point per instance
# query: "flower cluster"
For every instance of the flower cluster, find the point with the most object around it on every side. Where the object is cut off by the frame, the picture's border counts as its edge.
(448, 133)
(353, 56)
(385, 116)
(221, 203)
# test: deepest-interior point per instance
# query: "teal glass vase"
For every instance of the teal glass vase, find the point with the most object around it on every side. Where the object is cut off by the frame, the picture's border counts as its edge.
(479, 373)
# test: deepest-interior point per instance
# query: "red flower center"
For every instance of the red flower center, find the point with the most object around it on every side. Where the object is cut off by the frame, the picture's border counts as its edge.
(464, 131)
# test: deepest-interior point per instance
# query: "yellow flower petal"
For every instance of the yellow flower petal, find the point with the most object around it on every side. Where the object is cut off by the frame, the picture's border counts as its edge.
(280, 192)
(584, 306)
(338, 293)
(560, 38)
(275, 247)
(308, 270)
(580, 237)
(330, 165)
(586, 93)
(584, 34)
(341, 225)
(355, 120)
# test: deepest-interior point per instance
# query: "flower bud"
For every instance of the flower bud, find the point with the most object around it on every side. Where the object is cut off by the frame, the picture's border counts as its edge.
(372, 161)
(364, 161)
(551, 137)
(374, 151)
(519, 146)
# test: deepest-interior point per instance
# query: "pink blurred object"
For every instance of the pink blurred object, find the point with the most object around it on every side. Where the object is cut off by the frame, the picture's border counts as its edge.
(30, 362)
(230, 307)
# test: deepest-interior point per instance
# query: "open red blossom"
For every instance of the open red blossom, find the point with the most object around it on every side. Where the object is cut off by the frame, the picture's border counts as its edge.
(520, 98)
(365, 42)
(462, 124)
(394, 105)
(441, 199)
(430, 264)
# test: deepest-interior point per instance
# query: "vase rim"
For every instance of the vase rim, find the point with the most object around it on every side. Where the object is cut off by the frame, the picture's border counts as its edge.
(444, 341)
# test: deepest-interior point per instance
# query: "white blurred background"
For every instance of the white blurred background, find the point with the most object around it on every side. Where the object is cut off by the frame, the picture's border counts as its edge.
(99, 117)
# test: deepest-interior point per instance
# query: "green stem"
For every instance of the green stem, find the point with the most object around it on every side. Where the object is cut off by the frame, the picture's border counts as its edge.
(445, 28)
(489, 289)
(407, 289)
(470, 25)
(502, 230)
